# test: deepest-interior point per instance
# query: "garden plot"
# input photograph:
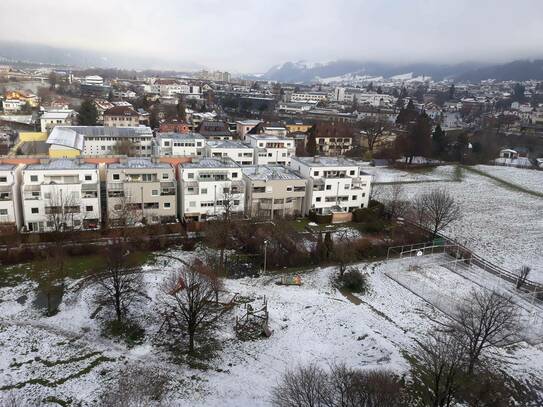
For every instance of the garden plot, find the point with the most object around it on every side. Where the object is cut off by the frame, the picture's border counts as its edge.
(66, 357)
(525, 178)
(503, 225)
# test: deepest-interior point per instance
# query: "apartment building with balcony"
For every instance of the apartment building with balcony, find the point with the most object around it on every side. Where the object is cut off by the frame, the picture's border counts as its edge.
(179, 144)
(270, 149)
(10, 200)
(273, 191)
(72, 141)
(335, 184)
(237, 151)
(60, 195)
(210, 187)
(141, 191)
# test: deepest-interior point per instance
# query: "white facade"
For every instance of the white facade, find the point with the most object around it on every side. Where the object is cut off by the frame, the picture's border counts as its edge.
(10, 200)
(12, 105)
(245, 126)
(235, 150)
(93, 80)
(209, 187)
(271, 149)
(308, 97)
(334, 183)
(53, 118)
(179, 144)
(61, 194)
(140, 190)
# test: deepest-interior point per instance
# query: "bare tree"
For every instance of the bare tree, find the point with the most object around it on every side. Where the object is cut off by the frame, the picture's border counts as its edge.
(484, 319)
(124, 146)
(304, 386)
(312, 386)
(373, 131)
(523, 276)
(63, 211)
(394, 200)
(120, 282)
(344, 251)
(124, 211)
(137, 386)
(437, 370)
(188, 300)
(436, 209)
(229, 199)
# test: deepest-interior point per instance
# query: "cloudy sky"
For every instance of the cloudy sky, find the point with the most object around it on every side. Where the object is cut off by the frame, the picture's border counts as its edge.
(252, 35)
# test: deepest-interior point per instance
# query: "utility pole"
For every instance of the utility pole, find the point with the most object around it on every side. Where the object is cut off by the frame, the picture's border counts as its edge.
(265, 254)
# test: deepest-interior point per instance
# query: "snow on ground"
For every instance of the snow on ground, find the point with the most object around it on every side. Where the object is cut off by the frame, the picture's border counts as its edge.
(526, 178)
(65, 356)
(387, 175)
(501, 224)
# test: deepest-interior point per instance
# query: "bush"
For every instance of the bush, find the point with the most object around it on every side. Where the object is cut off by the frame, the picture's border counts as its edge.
(354, 280)
(375, 226)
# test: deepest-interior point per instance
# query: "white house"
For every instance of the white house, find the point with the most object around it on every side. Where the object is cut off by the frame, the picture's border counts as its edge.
(210, 187)
(271, 149)
(100, 140)
(10, 199)
(335, 184)
(59, 117)
(60, 194)
(237, 151)
(179, 144)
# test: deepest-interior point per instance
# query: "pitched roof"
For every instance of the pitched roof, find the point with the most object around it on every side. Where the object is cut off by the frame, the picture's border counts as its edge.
(121, 111)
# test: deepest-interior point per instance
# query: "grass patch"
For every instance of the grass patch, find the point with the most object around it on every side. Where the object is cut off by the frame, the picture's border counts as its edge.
(506, 184)
(59, 362)
(128, 331)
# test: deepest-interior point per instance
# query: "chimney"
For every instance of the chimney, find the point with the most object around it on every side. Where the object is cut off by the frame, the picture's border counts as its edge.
(315, 158)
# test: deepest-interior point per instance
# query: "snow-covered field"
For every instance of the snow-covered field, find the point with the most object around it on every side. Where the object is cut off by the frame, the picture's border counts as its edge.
(499, 223)
(386, 175)
(66, 357)
(526, 178)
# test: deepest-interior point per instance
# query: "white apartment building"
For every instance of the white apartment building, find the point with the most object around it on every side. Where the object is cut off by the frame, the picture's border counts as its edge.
(12, 105)
(271, 149)
(373, 99)
(314, 97)
(100, 140)
(60, 194)
(335, 184)
(93, 80)
(245, 126)
(273, 191)
(210, 187)
(10, 200)
(235, 150)
(179, 144)
(52, 118)
(141, 191)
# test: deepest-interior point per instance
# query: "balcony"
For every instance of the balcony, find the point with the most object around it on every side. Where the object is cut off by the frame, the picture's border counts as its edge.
(5, 196)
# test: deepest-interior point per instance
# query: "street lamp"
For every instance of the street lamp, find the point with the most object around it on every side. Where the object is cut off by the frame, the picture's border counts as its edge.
(265, 254)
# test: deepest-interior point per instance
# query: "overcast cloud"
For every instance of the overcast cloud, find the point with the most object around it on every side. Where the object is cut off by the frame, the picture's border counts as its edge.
(250, 36)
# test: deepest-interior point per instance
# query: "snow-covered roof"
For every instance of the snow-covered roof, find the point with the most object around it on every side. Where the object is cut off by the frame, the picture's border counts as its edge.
(67, 137)
(326, 161)
(133, 163)
(269, 172)
(223, 162)
(179, 136)
(226, 144)
(62, 164)
(7, 167)
(57, 114)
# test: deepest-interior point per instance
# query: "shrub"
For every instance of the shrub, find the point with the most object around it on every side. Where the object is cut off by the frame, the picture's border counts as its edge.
(374, 226)
(354, 280)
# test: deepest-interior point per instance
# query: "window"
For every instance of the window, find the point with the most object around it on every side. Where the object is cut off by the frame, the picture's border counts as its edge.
(354, 197)
(316, 173)
(36, 194)
(192, 204)
(34, 210)
(88, 177)
(116, 177)
(190, 175)
(154, 192)
(89, 208)
(318, 199)
(347, 186)
(351, 172)
(34, 178)
(203, 191)
(225, 190)
(146, 177)
(167, 205)
(3, 212)
(165, 175)
(3, 179)
(328, 187)
(234, 175)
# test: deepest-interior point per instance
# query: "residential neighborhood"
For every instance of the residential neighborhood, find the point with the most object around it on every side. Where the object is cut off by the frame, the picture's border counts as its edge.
(256, 204)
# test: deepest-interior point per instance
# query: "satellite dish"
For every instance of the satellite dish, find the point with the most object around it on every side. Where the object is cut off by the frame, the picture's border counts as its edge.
(419, 253)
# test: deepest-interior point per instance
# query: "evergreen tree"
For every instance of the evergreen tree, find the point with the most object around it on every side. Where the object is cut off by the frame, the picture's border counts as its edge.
(452, 90)
(311, 142)
(518, 92)
(320, 249)
(407, 115)
(181, 110)
(369, 88)
(88, 115)
(438, 141)
(379, 90)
